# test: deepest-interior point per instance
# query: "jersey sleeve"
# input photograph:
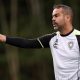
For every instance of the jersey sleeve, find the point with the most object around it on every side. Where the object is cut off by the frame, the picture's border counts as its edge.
(78, 39)
(40, 42)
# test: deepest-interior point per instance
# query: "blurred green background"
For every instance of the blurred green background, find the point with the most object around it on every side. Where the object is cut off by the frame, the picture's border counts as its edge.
(29, 19)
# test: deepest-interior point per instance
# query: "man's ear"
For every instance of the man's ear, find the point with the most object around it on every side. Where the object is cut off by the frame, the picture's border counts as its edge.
(68, 17)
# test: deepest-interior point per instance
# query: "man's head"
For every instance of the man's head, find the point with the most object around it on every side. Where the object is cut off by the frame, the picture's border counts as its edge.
(61, 16)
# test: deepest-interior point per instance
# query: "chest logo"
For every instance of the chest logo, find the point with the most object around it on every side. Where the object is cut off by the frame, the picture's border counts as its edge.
(70, 44)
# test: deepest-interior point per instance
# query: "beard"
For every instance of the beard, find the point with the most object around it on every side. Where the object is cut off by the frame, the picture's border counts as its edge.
(57, 27)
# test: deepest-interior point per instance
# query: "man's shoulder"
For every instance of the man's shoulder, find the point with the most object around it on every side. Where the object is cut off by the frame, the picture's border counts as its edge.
(76, 32)
(49, 35)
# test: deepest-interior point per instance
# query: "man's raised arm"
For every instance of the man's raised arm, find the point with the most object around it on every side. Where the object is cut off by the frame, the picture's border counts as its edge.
(40, 42)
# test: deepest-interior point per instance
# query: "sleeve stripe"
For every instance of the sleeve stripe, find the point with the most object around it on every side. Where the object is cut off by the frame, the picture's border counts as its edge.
(40, 42)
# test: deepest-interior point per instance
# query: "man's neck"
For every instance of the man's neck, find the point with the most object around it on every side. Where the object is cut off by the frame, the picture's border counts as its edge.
(66, 30)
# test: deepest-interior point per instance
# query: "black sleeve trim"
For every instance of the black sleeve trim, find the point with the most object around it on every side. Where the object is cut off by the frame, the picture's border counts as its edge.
(46, 39)
(78, 39)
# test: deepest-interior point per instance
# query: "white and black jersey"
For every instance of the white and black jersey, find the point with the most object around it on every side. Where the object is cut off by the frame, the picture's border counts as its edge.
(66, 55)
(64, 48)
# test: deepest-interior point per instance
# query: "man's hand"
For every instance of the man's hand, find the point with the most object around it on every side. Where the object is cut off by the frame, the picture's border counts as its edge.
(2, 38)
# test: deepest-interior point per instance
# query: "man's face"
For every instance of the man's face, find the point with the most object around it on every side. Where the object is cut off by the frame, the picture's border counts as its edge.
(58, 18)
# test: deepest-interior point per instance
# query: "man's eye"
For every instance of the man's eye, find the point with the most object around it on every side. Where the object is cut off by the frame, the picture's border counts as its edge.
(56, 15)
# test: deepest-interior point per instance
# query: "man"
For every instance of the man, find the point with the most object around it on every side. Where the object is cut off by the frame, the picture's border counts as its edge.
(64, 44)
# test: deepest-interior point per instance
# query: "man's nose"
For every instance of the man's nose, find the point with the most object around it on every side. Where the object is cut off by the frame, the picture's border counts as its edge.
(53, 18)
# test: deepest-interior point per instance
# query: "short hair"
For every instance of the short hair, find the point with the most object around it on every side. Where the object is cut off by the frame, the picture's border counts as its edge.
(67, 9)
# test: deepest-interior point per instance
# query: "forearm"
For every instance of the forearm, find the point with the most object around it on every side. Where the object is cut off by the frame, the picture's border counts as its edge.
(23, 43)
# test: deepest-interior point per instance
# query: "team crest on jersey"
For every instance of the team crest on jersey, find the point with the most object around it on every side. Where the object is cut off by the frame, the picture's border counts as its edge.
(70, 44)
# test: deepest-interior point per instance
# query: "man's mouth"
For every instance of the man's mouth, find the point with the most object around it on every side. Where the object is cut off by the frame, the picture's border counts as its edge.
(54, 24)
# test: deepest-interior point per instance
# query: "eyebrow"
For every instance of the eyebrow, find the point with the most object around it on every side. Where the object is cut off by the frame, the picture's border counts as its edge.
(55, 14)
